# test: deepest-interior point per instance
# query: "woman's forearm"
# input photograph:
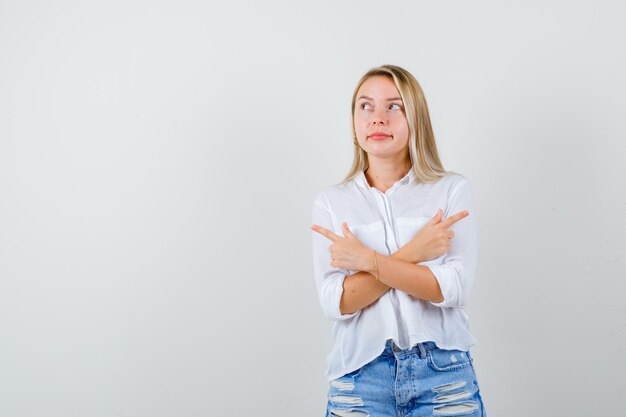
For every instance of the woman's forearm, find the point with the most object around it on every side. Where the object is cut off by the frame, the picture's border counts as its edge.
(362, 289)
(416, 280)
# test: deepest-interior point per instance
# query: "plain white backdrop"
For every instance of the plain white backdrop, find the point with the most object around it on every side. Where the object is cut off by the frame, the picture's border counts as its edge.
(159, 159)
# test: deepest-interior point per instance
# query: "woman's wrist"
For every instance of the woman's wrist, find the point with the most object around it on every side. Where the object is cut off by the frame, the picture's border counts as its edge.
(407, 256)
(372, 263)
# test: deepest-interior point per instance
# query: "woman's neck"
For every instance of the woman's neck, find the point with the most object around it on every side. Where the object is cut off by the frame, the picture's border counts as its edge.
(383, 175)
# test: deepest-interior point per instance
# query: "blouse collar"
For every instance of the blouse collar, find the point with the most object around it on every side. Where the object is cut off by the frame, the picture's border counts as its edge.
(362, 181)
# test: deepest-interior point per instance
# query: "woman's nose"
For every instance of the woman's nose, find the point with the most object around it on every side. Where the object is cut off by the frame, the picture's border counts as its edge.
(378, 117)
(378, 120)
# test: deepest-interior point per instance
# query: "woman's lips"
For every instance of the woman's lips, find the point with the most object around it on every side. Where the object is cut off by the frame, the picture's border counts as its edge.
(379, 137)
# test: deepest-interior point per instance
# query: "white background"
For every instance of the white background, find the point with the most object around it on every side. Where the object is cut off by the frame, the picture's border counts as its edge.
(158, 162)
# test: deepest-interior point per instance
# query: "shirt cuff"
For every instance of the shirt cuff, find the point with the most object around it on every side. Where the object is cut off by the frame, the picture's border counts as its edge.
(337, 290)
(443, 276)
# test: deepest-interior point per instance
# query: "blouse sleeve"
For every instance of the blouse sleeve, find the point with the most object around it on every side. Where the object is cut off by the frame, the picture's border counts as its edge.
(328, 279)
(456, 273)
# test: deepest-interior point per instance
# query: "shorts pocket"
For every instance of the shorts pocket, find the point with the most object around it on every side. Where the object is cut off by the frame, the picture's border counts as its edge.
(448, 360)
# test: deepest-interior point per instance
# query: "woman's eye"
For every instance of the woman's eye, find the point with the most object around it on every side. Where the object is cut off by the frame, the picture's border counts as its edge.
(398, 107)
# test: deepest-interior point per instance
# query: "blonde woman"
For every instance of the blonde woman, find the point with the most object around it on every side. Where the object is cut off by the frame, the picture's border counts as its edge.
(392, 274)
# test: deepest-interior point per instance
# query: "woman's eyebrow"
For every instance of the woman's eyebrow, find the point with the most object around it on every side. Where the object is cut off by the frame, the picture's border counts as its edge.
(389, 99)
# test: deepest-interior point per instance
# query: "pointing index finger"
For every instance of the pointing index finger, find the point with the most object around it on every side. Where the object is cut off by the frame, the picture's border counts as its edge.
(455, 218)
(325, 232)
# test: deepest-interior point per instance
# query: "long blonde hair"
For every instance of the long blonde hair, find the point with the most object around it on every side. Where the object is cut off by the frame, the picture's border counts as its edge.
(425, 161)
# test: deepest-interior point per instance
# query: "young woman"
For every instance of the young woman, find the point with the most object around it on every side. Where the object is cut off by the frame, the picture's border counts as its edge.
(396, 277)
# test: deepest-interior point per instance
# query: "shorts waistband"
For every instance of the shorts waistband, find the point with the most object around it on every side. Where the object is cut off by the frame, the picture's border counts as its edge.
(391, 349)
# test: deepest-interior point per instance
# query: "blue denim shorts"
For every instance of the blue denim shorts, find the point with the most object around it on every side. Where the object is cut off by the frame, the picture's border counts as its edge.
(418, 382)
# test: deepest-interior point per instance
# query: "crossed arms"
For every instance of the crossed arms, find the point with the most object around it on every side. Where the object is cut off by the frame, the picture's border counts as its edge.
(378, 273)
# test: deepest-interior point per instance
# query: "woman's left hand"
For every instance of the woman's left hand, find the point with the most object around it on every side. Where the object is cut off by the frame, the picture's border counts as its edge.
(347, 252)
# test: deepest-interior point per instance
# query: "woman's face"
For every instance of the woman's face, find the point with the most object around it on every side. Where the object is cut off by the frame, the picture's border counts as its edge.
(379, 109)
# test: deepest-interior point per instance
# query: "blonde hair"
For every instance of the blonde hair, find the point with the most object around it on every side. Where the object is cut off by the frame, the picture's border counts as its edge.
(423, 153)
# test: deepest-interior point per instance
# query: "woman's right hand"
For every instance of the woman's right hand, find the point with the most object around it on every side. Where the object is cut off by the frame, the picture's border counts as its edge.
(433, 240)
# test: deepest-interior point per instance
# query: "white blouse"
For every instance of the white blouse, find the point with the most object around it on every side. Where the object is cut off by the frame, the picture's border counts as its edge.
(385, 222)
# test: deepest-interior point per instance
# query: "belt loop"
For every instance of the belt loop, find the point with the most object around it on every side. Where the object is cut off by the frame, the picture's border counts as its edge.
(420, 346)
